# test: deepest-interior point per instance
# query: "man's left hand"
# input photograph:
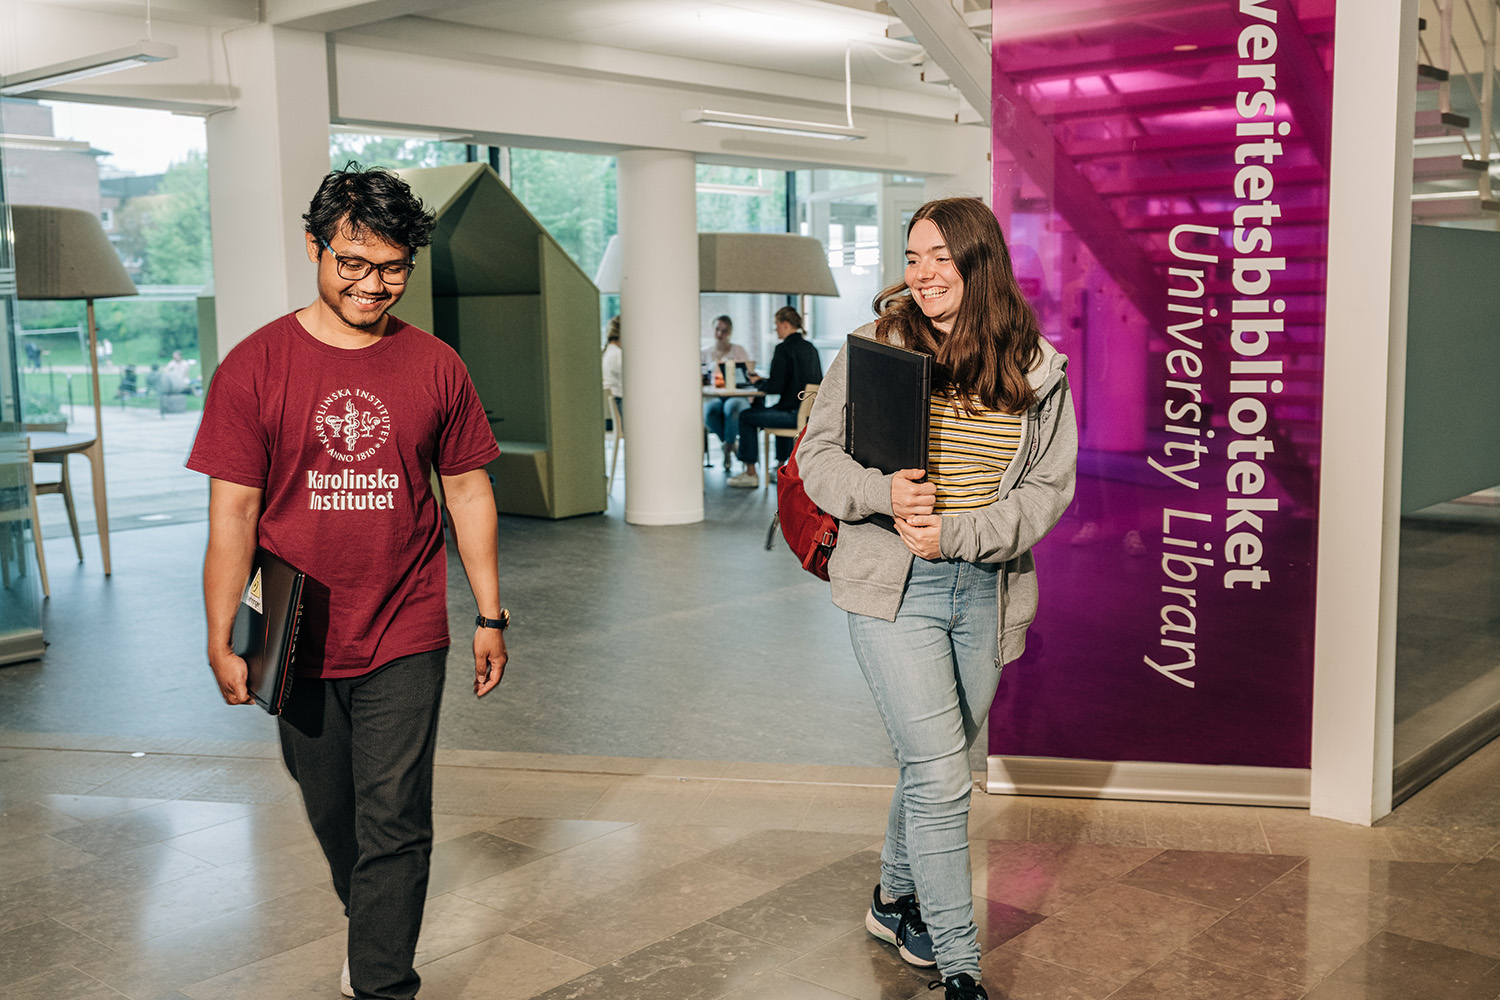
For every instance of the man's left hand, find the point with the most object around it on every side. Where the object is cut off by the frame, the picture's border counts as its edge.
(921, 532)
(489, 659)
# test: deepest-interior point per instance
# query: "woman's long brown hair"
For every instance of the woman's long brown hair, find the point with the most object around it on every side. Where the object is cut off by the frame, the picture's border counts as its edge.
(995, 339)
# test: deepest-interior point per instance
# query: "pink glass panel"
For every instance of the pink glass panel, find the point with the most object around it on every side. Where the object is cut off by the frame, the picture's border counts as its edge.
(1161, 172)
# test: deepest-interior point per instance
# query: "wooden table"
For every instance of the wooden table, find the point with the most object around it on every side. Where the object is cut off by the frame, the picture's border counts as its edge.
(57, 445)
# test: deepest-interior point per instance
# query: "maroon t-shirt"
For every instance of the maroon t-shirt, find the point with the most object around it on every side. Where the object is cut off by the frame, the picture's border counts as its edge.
(342, 442)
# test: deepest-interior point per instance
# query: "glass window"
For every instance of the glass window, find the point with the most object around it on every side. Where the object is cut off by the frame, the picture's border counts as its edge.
(144, 175)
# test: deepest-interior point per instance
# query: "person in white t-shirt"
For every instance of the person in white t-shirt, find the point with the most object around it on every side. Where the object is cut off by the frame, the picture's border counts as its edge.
(721, 415)
(612, 380)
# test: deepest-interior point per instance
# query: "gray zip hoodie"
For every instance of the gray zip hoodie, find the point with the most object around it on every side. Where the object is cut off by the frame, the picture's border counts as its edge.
(870, 564)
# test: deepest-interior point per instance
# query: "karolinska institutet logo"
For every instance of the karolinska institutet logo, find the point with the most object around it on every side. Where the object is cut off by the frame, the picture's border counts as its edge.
(352, 424)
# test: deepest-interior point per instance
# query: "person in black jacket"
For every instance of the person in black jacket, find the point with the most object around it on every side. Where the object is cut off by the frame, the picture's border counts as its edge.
(794, 366)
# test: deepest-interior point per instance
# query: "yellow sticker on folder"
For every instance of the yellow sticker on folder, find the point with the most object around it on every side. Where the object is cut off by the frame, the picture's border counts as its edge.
(253, 596)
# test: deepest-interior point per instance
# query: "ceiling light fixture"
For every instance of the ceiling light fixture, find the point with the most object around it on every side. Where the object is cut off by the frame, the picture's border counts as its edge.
(788, 126)
(144, 51)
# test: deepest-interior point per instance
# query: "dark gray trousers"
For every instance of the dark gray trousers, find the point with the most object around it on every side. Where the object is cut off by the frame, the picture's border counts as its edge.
(361, 750)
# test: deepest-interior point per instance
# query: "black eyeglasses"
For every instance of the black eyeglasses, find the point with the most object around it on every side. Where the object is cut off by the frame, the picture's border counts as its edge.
(355, 268)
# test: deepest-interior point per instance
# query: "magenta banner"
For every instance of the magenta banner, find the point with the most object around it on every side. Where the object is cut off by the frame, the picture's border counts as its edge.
(1161, 171)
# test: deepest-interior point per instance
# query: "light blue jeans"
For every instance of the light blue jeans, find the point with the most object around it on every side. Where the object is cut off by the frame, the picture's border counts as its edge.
(722, 417)
(933, 674)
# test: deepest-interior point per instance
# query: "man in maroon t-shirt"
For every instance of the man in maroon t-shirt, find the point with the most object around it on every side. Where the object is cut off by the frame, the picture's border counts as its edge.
(320, 433)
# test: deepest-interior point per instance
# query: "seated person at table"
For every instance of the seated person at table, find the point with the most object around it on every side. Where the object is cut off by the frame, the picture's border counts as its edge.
(721, 415)
(794, 366)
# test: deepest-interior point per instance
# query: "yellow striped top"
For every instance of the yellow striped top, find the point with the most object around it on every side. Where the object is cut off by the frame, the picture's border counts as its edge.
(967, 454)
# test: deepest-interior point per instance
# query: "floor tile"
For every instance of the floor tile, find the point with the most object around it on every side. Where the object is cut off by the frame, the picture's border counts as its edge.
(1046, 878)
(86, 808)
(604, 928)
(1391, 879)
(1182, 977)
(778, 856)
(307, 972)
(1393, 967)
(557, 881)
(63, 983)
(756, 804)
(999, 922)
(1295, 930)
(1207, 828)
(151, 825)
(75, 888)
(860, 966)
(702, 962)
(282, 826)
(451, 923)
(1144, 928)
(474, 857)
(125, 917)
(1460, 910)
(1088, 821)
(254, 780)
(776, 985)
(501, 968)
(37, 855)
(659, 800)
(554, 795)
(170, 776)
(1222, 881)
(810, 911)
(39, 947)
(180, 959)
(1293, 832)
(22, 819)
(848, 809)
(64, 772)
(552, 835)
(1016, 976)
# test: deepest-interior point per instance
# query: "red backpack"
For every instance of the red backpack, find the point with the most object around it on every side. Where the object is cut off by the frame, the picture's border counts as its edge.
(809, 531)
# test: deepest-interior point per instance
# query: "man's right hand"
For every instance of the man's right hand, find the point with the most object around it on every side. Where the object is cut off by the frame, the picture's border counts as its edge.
(911, 497)
(232, 674)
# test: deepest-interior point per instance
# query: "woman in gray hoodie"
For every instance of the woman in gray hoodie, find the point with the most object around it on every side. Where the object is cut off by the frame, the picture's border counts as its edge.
(938, 606)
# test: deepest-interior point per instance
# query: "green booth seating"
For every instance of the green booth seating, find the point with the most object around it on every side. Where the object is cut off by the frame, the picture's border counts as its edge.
(525, 320)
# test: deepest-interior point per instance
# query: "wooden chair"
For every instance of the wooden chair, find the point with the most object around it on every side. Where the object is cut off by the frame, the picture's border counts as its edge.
(16, 477)
(62, 486)
(612, 411)
(807, 396)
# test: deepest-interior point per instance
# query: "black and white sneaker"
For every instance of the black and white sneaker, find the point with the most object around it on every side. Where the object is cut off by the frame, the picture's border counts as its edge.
(960, 986)
(900, 923)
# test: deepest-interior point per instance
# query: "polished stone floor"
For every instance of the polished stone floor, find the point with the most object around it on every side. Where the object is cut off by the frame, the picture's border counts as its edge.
(172, 868)
(677, 794)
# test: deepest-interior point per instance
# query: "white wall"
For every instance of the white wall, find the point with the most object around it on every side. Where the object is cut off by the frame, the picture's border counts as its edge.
(1374, 92)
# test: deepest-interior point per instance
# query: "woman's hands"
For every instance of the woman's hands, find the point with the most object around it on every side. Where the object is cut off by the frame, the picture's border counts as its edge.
(909, 496)
(921, 533)
(912, 501)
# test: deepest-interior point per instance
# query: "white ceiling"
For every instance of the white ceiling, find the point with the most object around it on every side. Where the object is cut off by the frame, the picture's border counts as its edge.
(804, 37)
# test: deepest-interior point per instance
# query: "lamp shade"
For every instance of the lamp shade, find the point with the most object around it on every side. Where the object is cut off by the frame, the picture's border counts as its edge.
(769, 263)
(62, 253)
(775, 263)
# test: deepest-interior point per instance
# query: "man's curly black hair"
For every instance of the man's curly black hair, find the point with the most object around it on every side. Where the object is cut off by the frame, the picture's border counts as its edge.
(358, 200)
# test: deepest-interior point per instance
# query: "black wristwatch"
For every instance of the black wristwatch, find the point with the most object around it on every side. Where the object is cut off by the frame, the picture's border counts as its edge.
(501, 623)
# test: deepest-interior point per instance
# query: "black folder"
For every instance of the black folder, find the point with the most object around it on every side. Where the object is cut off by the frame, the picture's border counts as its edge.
(885, 421)
(265, 628)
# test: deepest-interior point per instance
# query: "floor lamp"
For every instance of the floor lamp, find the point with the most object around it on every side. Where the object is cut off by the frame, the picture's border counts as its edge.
(63, 253)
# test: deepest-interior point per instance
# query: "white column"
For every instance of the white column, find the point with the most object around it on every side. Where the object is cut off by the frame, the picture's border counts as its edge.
(1364, 365)
(659, 337)
(265, 159)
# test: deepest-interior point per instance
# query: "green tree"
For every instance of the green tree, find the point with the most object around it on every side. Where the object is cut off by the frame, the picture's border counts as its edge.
(178, 243)
(572, 195)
